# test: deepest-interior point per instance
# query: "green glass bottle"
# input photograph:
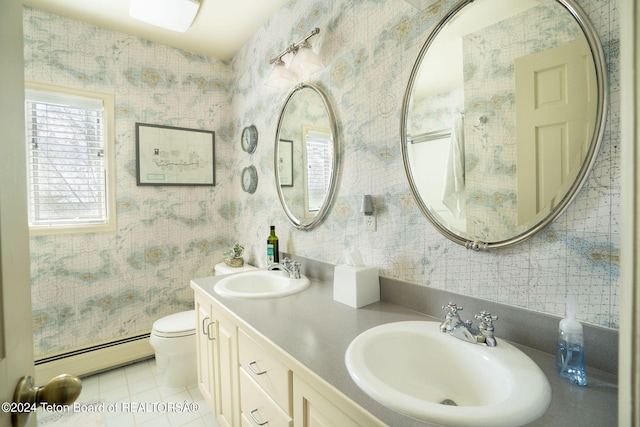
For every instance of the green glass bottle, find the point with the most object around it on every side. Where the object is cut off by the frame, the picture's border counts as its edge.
(272, 247)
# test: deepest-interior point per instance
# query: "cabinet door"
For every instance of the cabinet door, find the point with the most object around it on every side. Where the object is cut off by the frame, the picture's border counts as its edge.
(205, 345)
(227, 405)
(312, 409)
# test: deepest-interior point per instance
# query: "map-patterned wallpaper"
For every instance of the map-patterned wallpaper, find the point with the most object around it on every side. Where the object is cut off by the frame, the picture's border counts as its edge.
(89, 288)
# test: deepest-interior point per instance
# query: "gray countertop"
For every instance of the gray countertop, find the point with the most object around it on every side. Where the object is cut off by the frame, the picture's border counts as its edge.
(316, 331)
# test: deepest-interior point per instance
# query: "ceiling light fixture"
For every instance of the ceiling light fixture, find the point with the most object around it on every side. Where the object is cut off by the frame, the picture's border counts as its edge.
(304, 63)
(174, 15)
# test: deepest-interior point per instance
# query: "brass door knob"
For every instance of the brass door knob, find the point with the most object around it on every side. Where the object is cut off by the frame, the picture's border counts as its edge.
(61, 390)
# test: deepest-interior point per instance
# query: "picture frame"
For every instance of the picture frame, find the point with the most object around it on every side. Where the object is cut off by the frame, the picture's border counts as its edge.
(285, 162)
(168, 155)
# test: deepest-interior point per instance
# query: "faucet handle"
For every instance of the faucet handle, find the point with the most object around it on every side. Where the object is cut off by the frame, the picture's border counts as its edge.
(485, 328)
(295, 269)
(452, 309)
(486, 318)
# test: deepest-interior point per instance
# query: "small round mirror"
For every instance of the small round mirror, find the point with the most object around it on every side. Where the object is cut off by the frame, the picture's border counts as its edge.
(503, 117)
(306, 156)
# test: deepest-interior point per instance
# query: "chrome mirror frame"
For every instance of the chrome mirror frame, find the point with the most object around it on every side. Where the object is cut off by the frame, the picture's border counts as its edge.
(299, 223)
(598, 132)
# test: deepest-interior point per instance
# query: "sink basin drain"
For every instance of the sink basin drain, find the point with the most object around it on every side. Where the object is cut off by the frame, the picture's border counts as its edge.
(448, 402)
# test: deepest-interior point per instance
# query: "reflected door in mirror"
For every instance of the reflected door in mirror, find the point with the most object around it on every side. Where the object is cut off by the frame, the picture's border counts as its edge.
(554, 107)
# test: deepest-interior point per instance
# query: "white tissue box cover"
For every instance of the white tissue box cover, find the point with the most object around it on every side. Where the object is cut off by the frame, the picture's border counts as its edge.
(356, 286)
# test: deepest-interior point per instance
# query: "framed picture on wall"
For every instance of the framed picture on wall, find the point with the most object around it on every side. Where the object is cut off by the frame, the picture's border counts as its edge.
(167, 155)
(285, 162)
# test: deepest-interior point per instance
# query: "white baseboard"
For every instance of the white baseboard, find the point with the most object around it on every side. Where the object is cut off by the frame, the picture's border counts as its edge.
(98, 357)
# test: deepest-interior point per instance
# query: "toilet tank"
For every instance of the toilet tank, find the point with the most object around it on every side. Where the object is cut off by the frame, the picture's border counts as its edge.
(222, 268)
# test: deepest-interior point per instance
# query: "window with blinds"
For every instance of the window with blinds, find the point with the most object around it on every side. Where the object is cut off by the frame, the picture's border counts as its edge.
(67, 164)
(319, 154)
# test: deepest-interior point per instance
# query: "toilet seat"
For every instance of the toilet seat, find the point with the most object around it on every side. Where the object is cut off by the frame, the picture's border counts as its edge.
(175, 325)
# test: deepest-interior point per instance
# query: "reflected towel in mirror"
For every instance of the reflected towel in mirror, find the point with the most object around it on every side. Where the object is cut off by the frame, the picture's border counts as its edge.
(453, 196)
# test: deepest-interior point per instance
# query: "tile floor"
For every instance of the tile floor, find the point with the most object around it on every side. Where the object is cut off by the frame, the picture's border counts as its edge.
(131, 397)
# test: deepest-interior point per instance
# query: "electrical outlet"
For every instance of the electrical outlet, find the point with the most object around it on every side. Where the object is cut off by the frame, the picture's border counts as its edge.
(370, 222)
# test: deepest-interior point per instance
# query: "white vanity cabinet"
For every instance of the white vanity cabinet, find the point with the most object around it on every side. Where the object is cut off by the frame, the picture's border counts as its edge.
(315, 409)
(217, 360)
(265, 385)
(258, 408)
(249, 382)
(227, 396)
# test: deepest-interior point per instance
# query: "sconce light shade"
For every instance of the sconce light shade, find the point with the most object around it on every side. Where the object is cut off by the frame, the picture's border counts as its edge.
(305, 61)
(367, 205)
(175, 15)
(280, 76)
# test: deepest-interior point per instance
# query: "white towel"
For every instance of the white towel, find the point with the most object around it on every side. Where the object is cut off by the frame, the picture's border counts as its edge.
(454, 196)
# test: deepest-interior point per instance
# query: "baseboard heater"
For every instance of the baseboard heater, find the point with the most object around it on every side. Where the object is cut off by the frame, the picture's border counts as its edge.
(95, 358)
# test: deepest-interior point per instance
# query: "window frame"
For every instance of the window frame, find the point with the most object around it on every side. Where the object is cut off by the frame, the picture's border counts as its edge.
(108, 102)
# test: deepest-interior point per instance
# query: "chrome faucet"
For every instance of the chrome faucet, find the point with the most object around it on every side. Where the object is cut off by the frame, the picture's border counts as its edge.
(455, 326)
(290, 269)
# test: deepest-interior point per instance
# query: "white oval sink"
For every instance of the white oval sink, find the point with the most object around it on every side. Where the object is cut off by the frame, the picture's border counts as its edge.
(260, 284)
(414, 369)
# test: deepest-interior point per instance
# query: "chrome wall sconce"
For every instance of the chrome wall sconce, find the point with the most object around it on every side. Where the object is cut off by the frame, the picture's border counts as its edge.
(304, 63)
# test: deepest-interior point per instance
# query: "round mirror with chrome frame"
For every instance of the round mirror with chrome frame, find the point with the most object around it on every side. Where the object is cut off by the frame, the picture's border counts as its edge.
(503, 117)
(306, 156)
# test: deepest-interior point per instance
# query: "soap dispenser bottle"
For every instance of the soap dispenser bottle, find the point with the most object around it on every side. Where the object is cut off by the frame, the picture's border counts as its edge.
(570, 348)
(273, 256)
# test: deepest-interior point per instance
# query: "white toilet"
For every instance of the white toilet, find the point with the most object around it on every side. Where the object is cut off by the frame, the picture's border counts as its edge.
(173, 339)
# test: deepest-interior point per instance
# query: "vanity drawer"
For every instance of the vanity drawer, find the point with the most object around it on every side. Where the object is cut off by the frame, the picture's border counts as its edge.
(257, 407)
(266, 370)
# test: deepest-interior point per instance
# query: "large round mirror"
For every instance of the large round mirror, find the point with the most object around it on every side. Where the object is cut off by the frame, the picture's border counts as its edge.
(502, 118)
(306, 156)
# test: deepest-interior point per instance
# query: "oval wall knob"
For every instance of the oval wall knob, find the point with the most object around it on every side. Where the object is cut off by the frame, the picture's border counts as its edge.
(61, 390)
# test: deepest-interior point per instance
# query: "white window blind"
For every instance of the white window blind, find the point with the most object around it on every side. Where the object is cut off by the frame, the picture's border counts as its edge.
(67, 181)
(319, 164)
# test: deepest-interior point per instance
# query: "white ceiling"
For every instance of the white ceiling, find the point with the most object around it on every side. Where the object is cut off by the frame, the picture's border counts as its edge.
(220, 29)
